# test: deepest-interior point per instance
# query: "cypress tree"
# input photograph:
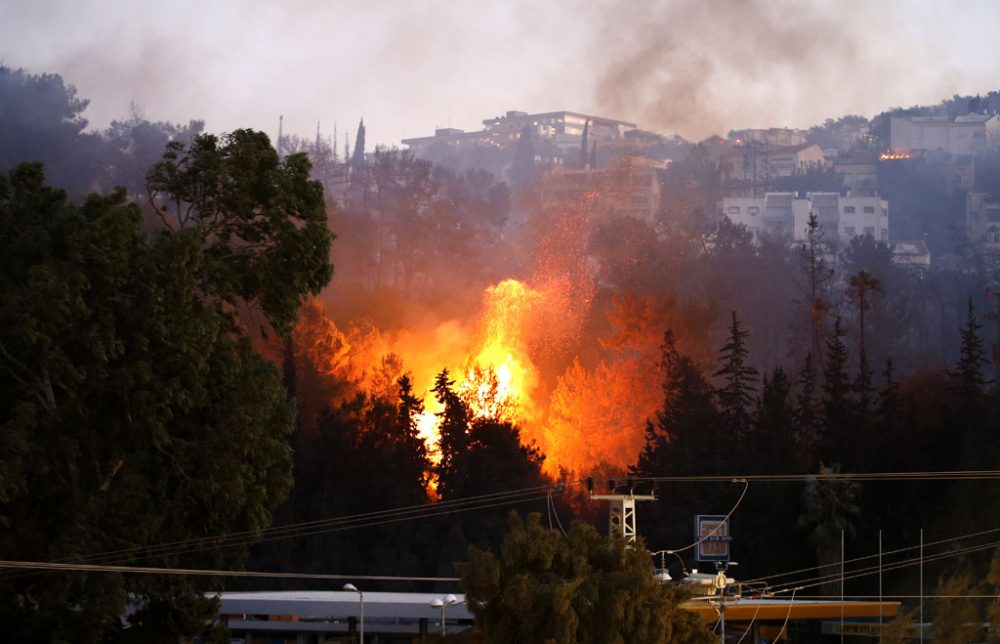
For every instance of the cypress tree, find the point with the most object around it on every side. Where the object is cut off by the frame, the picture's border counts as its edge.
(358, 159)
(522, 170)
(584, 144)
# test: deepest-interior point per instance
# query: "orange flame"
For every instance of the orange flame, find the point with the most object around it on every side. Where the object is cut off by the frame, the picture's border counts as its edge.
(498, 378)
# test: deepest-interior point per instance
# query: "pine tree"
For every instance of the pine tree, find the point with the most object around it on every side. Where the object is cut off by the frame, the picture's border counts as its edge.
(808, 417)
(737, 391)
(967, 378)
(859, 446)
(774, 425)
(837, 405)
(684, 438)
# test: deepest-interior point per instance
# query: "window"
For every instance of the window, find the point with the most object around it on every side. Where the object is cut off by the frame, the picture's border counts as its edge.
(870, 231)
(848, 231)
(869, 210)
(753, 210)
(733, 210)
(885, 234)
(848, 210)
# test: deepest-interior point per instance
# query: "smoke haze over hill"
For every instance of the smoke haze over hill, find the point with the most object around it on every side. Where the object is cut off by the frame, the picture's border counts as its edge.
(685, 66)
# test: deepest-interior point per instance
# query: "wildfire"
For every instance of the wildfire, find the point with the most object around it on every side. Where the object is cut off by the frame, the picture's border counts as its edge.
(585, 415)
(497, 376)
(893, 156)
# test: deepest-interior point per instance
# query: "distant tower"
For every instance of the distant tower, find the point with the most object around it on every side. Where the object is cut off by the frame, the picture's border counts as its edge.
(335, 159)
(318, 140)
(281, 126)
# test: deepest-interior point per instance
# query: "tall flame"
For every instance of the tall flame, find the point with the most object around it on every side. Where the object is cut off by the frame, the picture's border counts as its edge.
(498, 378)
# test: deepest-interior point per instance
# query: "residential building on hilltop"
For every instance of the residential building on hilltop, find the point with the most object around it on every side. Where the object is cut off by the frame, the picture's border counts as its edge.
(982, 225)
(630, 187)
(959, 135)
(565, 129)
(774, 136)
(748, 169)
(785, 215)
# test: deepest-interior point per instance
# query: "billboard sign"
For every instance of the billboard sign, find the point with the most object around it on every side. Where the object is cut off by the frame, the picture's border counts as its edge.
(711, 532)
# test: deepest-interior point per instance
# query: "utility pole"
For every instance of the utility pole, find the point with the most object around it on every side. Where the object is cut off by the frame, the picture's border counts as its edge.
(621, 509)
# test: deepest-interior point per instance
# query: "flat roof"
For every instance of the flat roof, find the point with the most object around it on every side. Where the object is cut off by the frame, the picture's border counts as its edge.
(781, 609)
(340, 604)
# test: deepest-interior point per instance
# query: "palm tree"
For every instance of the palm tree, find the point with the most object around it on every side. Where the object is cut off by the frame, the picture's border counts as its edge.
(829, 508)
(859, 287)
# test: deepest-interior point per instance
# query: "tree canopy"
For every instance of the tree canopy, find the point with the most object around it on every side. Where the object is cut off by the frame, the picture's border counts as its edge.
(133, 408)
(582, 587)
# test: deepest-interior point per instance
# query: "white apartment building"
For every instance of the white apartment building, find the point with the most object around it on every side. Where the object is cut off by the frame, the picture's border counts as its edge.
(784, 214)
(958, 135)
(564, 129)
(982, 221)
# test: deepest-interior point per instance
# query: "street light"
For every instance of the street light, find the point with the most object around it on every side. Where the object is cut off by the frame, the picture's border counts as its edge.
(354, 589)
(443, 603)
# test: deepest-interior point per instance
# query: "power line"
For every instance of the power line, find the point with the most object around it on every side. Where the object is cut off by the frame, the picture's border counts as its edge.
(864, 572)
(971, 535)
(952, 475)
(312, 528)
(200, 572)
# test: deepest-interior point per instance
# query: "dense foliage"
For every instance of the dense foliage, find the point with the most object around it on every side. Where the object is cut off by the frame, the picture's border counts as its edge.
(133, 409)
(551, 588)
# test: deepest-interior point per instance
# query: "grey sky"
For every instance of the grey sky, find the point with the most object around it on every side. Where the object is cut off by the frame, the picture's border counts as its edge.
(694, 67)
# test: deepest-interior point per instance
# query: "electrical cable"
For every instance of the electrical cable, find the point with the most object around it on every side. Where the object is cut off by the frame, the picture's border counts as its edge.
(787, 617)
(864, 572)
(945, 475)
(201, 572)
(311, 528)
(884, 553)
(552, 506)
(750, 625)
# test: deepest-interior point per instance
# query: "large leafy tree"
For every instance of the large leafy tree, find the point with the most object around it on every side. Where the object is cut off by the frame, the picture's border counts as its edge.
(41, 121)
(133, 409)
(262, 220)
(548, 588)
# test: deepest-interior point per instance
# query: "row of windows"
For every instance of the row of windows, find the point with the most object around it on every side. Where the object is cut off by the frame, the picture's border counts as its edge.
(851, 231)
(848, 210)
